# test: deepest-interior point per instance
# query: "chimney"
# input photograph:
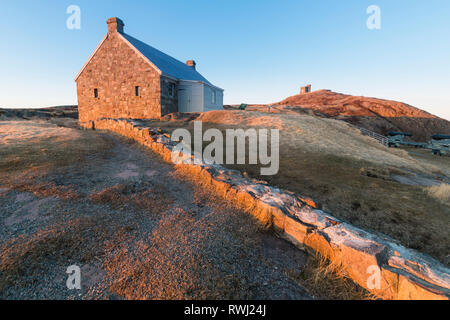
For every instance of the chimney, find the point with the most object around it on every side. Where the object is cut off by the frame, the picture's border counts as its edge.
(115, 25)
(191, 63)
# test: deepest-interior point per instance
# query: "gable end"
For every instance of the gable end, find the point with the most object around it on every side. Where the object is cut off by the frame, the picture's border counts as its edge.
(120, 36)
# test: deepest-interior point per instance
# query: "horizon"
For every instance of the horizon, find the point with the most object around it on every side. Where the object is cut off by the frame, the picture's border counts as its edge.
(405, 60)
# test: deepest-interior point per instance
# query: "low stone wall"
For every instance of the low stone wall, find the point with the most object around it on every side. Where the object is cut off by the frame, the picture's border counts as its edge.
(401, 273)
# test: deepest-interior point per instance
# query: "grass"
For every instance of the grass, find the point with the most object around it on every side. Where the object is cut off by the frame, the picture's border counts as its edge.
(48, 149)
(363, 195)
(441, 192)
(145, 196)
(360, 192)
(24, 257)
(328, 281)
(188, 255)
(322, 279)
(47, 189)
(26, 164)
(28, 158)
(354, 190)
(185, 256)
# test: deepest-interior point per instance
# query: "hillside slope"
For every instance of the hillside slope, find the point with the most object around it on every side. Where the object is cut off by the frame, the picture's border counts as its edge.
(351, 176)
(39, 114)
(374, 114)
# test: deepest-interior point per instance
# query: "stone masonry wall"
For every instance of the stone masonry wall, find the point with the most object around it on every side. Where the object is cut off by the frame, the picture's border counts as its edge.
(403, 274)
(115, 70)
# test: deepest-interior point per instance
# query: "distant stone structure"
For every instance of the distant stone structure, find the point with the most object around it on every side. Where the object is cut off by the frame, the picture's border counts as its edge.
(305, 89)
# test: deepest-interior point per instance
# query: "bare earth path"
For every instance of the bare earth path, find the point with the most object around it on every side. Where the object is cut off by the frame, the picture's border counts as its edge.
(137, 230)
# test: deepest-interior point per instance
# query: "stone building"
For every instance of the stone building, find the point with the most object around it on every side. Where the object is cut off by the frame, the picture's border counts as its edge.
(126, 78)
(305, 89)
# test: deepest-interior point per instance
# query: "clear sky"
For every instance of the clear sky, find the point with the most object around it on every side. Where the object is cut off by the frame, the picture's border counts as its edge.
(259, 51)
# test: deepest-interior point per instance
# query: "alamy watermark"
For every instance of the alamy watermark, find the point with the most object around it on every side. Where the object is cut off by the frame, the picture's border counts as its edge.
(73, 22)
(74, 279)
(374, 20)
(374, 280)
(234, 144)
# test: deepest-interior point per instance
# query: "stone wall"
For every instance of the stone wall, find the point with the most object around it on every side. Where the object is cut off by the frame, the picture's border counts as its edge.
(403, 274)
(115, 70)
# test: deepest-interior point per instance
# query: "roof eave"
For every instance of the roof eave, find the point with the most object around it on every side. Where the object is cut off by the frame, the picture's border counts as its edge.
(206, 83)
(140, 53)
(90, 58)
(143, 57)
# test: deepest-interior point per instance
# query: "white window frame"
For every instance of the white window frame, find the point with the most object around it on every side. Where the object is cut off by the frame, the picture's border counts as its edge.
(170, 88)
(213, 96)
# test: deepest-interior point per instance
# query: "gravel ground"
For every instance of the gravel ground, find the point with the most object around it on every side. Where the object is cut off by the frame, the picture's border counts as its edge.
(137, 231)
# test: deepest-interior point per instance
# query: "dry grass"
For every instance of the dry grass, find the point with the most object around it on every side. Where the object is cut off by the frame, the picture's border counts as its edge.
(317, 135)
(179, 261)
(327, 280)
(349, 175)
(32, 149)
(24, 257)
(42, 146)
(186, 256)
(156, 268)
(322, 279)
(44, 190)
(425, 156)
(145, 196)
(364, 195)
(189, 256)
(441, 192)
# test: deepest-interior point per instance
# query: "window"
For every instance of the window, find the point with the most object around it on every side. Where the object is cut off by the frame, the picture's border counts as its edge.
(213, 97)
(171, 90)
(95, 93)
(137, 91)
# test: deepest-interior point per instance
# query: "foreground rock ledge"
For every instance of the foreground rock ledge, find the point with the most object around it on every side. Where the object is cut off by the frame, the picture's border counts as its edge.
(402, 273)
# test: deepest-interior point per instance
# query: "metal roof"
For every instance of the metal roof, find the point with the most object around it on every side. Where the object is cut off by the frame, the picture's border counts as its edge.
(406, 134)
(440, 137)
(169, 66)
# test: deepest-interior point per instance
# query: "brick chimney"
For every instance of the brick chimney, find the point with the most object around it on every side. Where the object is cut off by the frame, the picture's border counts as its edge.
(191, 63)
(115, 25)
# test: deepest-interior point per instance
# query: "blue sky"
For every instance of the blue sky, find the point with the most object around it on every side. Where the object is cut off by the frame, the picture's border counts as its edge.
(259, 51)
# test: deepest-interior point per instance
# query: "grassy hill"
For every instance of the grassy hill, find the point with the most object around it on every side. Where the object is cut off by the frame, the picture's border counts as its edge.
(351, 176)
(378, 115)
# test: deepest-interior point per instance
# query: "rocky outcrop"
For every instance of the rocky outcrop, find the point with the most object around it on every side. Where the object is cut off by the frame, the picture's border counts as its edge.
(378, 115)
(375, 262)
